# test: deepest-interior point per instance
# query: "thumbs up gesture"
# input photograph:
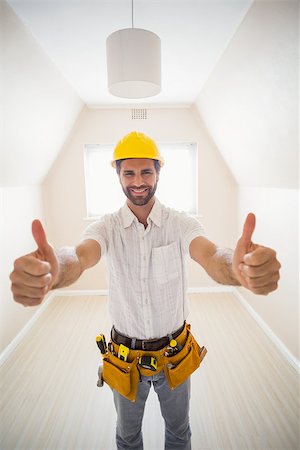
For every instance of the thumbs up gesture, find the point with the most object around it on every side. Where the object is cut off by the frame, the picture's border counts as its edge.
(34, 274)
(256, 267)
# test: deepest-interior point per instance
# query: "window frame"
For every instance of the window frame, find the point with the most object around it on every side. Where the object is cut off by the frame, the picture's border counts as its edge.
(96, 147)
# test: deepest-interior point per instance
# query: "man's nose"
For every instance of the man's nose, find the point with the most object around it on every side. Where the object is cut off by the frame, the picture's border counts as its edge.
(138, 179)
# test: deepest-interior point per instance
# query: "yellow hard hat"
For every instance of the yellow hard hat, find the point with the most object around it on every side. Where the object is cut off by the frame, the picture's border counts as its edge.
(136, 145)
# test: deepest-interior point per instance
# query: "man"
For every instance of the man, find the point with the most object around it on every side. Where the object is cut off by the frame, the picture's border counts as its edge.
(146, 245)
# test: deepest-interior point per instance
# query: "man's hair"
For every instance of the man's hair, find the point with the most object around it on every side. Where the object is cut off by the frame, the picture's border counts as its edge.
(119, 161)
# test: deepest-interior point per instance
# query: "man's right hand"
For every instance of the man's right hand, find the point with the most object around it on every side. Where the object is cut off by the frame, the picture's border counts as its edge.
(35, 274)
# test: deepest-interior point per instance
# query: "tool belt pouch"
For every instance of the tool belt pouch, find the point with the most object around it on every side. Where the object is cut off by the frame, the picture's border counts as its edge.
(180, 366)
(120, 375)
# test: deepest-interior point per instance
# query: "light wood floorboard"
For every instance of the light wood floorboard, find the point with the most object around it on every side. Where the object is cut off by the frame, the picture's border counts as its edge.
(244, 396)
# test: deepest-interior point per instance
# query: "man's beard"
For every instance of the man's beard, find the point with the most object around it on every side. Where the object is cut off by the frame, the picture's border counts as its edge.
(143, 199)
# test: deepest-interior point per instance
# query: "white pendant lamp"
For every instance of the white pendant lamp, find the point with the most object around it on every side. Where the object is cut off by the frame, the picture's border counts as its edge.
(133, 63)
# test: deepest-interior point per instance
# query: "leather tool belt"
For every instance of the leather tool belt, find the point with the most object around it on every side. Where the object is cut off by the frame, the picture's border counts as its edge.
(124, 376)
(147, 344)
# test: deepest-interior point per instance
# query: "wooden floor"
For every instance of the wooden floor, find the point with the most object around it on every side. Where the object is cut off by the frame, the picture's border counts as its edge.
(244, 396)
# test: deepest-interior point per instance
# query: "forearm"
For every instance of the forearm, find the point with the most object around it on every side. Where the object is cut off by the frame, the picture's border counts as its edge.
(70, 267)
(250, 265)
(220, 267)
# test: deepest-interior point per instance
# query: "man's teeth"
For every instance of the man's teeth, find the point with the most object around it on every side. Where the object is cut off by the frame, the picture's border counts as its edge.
(139, 190)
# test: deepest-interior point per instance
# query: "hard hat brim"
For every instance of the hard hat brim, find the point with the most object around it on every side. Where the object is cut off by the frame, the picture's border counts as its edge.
(161, 161)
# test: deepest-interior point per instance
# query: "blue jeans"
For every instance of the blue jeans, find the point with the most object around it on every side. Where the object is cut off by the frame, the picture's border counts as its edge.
(174, 405)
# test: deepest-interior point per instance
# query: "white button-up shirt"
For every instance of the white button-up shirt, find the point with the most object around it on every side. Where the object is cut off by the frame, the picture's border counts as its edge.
(147, 268)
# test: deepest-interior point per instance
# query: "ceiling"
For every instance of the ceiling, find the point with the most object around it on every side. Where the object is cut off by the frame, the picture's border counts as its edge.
(236, 61)
(194, 35)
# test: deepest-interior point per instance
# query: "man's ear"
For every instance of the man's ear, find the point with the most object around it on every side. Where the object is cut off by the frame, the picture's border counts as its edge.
(158, 174)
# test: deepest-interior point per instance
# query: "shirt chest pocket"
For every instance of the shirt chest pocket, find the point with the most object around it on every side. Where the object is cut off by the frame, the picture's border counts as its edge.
(166, 263)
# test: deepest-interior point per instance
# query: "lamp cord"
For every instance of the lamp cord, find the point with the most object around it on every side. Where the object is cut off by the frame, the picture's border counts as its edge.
(131, 13)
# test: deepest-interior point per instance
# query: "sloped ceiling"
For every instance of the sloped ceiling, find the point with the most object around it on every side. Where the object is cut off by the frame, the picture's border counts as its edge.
(39, 106)
(236, 60)
(250, 101)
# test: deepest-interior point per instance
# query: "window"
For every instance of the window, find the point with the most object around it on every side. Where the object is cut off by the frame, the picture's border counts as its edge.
(177, 186)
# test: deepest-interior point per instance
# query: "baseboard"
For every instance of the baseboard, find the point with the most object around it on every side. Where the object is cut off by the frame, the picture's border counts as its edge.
(209, 289)
(295, 363)
(191, 290)
(14, 343)
(78, 292)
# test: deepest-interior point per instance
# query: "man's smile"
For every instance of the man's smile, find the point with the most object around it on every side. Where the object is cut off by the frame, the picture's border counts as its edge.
(138, 191)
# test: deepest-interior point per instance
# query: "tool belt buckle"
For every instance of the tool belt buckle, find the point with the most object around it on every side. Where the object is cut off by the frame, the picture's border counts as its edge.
(144, 345)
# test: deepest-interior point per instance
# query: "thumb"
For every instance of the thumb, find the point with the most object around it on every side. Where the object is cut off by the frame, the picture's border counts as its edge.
(39, 236)
(244, 246)
(248, 229)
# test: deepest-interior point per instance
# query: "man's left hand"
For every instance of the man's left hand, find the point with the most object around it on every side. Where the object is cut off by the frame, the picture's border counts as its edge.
(255, 267)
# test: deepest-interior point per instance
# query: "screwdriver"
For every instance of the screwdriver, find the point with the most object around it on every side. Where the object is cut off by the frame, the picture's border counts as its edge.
(100, 341)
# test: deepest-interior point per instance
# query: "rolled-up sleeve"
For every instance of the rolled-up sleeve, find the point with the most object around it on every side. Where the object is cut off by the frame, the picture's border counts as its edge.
(191, 228)
(97, 232)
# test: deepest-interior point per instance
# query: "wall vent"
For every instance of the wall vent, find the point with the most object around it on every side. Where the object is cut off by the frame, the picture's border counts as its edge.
(139, 113)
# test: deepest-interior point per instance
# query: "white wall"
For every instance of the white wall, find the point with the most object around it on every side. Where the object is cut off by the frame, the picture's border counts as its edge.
(64, 192)
(277, 213)
(18, 207)
(38, 109)
(39, 106)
